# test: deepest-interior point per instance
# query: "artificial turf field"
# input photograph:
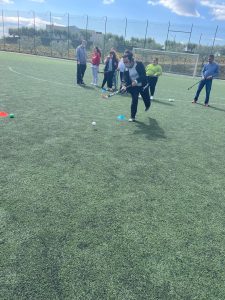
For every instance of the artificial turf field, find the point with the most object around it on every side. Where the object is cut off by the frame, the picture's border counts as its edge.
(118, 211)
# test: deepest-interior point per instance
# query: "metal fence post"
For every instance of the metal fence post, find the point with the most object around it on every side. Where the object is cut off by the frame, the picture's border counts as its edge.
(68, 36)
(167, 36)
(199, 42)
(125, 31)
(18, 27)
(34, 33)
(214, 38)
(189, 37)
(104, 38)
(86, 28)
(51, 33)
(3, 29)
(146, 32)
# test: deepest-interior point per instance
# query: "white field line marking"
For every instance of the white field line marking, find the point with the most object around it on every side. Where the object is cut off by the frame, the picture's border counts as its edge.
(70, 85)
(39, 79)
(184, 101)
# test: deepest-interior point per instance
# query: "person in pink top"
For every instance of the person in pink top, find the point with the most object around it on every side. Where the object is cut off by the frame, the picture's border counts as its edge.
(95, 61)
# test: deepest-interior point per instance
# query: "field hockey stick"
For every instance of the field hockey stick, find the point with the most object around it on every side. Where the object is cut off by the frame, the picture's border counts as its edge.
(103, 72)
(115, 93)
(190, 87)
(145, 87)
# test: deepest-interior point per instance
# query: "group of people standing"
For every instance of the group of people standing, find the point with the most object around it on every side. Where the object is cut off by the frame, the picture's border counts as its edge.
(113, 66)
(135, 78)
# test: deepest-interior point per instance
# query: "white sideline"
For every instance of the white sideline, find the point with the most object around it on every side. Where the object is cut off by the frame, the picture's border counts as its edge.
(39, 79)
(73, 86)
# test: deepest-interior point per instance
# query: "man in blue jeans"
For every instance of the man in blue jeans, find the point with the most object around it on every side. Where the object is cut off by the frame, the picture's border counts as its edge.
(81, 62)
(209, 71)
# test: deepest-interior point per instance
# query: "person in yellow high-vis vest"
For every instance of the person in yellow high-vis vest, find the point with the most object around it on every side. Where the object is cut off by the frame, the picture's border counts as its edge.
(153, 71)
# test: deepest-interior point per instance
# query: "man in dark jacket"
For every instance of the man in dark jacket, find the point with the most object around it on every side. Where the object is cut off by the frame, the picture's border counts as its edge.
(134, 82)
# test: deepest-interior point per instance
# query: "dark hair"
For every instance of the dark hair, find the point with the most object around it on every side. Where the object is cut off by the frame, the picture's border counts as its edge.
(113, 54)
(129, 55)
(98, 50)
(211, 55)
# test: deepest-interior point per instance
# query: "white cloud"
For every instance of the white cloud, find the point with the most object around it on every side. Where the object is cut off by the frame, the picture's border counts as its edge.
(28, 21)
(6, 2)
(183, 8)
(108, 1)
(217, 9)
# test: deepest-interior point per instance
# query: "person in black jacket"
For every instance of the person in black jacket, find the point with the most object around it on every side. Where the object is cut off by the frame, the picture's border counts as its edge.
(134, 81)
(111, 64)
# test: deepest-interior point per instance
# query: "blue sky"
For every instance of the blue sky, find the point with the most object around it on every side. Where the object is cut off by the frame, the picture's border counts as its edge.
(202, 13)
(176, 10)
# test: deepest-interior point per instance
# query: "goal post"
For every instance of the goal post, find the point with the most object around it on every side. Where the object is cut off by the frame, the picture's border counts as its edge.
(172, 62)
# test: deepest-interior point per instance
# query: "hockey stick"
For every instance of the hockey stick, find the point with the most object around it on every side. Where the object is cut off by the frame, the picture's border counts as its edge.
(120, 92)
(190, 87)
(103, 72)
(146, 86)
(115, 93)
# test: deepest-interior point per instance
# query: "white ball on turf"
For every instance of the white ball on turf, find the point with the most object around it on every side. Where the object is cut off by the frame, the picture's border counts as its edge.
(93, 123)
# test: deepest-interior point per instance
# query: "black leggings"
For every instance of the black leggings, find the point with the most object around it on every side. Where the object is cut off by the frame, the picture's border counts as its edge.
(152, 80)
(108, 77)
(135, 91)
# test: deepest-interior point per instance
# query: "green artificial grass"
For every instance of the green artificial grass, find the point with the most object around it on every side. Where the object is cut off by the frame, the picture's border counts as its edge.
(117, 211)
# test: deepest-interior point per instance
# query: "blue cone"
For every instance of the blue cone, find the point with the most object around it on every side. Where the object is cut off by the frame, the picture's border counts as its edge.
(121, 118)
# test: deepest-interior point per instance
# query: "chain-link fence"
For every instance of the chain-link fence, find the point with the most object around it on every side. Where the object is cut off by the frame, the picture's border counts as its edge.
(58, 35)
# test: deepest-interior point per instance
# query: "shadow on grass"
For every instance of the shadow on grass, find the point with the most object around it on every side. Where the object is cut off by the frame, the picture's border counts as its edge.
(212, 107)
(152, 131)
(87, 87)
(162, 102)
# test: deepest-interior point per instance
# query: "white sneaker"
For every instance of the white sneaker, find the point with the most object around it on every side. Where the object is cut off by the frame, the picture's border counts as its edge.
(151, 97)
(131, 120)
